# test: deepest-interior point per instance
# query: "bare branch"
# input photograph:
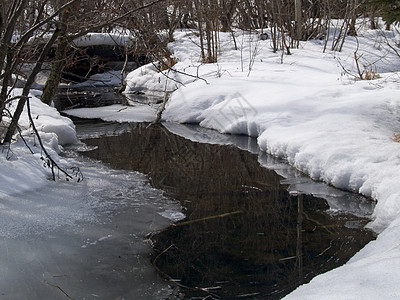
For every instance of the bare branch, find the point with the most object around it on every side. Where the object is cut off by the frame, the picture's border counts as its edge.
(114, 20)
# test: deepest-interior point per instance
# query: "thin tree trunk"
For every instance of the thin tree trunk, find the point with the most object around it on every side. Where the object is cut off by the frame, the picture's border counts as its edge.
(6, 80)
(201, 32)
(57, 67)
(10, 27)
(298, 20)
(27, 87)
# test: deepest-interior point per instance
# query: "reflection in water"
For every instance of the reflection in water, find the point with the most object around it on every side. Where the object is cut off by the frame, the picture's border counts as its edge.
(69, 98)
(244, 236)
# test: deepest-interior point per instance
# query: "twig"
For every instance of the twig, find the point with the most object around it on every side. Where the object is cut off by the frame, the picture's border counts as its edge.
(19, 131)
(51, 163)
(316, 222)
(346, 71)
(330, 246)
(12, 99)
(58, 287)
(8, 145)
(356, 59)
(209, 218)
(20, 134)
(164, 103)
(167, 75)
(174, 281)
(23, 139)
(85, 78)
(190, 75)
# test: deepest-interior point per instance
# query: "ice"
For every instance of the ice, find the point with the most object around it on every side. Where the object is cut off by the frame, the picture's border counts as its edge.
(173, 215)
(116, 112)
(83, 239)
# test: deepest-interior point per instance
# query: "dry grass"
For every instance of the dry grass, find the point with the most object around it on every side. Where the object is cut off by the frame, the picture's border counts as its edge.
(370, 75)
(167, 63)
(396, 137)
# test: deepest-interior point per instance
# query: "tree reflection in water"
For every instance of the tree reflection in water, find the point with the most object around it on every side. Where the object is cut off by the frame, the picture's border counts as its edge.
(244, 235)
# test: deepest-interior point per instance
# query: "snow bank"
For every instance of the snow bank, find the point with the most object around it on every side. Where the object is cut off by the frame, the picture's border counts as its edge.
(147, 80)
(96, 39)
(304, 109)
(47, 120)
(309, 109)
(22, 171)
(117, 113)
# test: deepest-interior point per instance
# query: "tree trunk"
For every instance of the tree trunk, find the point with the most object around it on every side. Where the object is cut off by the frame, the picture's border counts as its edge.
(298, 19)
(2, 13)
(6, 80)
(57, 67)
(27, 87)
(199, 13)
(9, 30)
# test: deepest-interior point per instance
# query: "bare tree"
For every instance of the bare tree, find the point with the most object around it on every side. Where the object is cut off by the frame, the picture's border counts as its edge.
(288, 22)
(64, 20)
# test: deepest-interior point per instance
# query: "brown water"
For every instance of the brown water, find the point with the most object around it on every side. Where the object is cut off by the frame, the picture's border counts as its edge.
(245, 236)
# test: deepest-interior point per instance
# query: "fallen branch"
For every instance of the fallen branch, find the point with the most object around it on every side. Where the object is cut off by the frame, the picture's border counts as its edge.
(19, 131)
(50, 161)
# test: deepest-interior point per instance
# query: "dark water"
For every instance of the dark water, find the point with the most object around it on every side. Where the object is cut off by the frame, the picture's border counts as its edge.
(96, 96)
(69, 98)
(245, 236)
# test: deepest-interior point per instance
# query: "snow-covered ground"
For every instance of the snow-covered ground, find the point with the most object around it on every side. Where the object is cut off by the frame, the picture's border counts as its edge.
(22, 171)
(306, 108)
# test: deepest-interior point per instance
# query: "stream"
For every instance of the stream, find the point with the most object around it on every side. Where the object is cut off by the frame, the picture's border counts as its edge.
(174, 212)
(248, 232)
(84, 240)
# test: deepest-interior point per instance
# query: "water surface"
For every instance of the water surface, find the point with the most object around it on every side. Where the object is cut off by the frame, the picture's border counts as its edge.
(245, 235)
(85, 240)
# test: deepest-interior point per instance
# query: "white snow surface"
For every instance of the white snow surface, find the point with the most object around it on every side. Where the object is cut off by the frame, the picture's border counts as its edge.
(305, 107)
(22, 171)
(117, 113)
(109, 39)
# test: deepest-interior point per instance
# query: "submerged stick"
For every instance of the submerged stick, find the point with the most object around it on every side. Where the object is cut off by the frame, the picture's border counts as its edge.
(209, 218)
(62, 291)
(174, 281)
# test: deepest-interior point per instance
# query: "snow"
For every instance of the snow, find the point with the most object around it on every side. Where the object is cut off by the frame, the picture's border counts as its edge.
(307, 108)
(116, 112)
(91, 39)
(22, 171)
(96, 39)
